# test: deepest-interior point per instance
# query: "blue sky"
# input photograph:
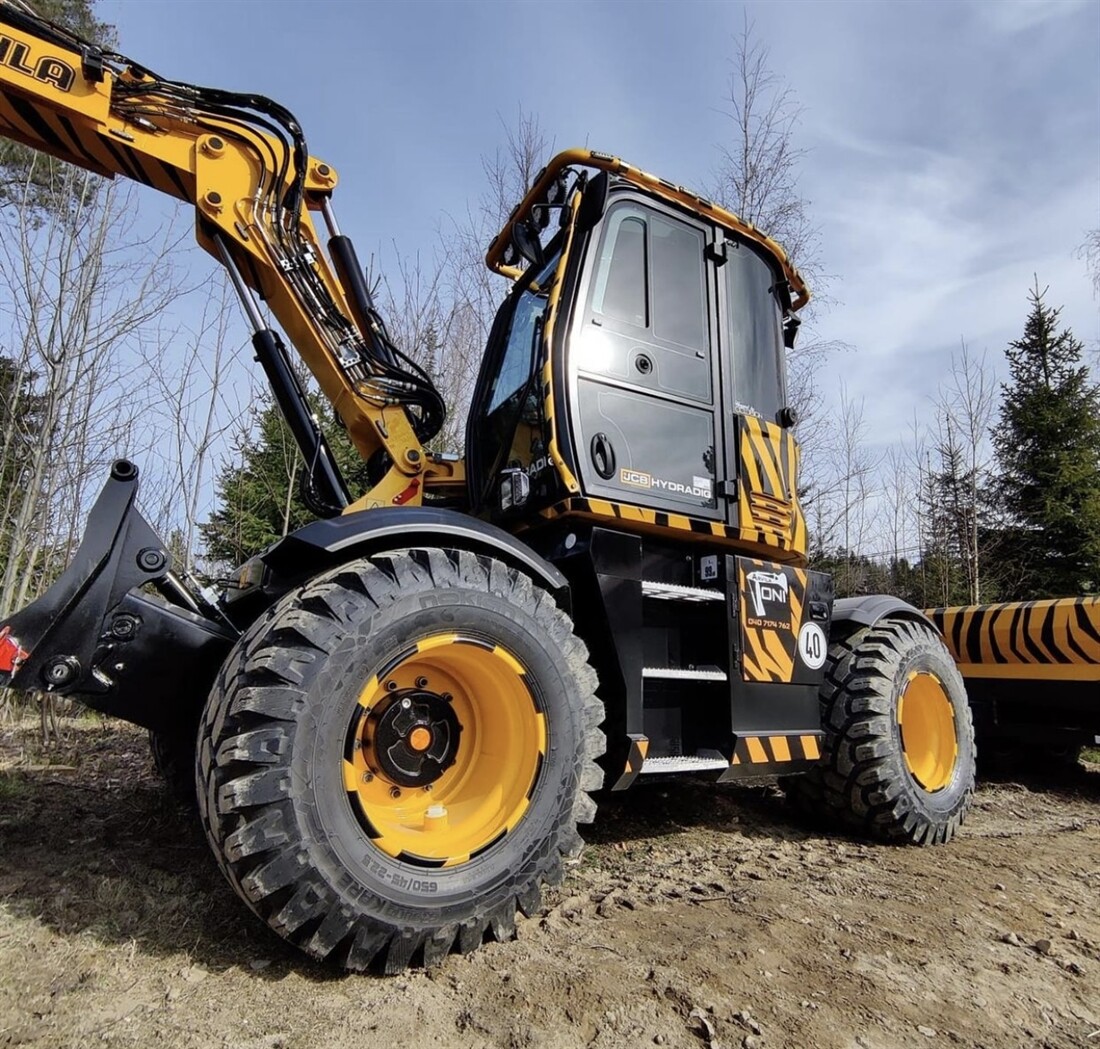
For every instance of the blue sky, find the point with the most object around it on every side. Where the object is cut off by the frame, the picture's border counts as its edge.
(953, 148)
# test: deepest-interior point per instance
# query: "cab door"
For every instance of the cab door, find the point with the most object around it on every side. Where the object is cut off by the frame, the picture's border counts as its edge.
(761, 453)
(642, 371)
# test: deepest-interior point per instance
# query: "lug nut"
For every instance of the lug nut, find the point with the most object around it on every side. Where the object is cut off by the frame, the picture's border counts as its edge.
(421, 682)
(368, 777)
(395, 792)
(391, 686)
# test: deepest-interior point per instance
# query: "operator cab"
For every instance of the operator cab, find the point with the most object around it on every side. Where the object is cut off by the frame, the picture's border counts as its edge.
(636, 369)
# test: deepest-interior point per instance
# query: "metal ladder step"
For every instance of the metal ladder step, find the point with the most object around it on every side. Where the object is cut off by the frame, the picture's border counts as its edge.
(676, 674)
(676, 592)
(682, 764)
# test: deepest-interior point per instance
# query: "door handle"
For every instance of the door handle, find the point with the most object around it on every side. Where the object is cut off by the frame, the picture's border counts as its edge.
(603, 456)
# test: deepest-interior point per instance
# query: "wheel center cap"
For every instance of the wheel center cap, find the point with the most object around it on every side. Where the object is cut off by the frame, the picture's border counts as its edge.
(413, 737)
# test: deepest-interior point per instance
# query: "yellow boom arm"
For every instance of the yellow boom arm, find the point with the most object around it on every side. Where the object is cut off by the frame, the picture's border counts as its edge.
(242, 161)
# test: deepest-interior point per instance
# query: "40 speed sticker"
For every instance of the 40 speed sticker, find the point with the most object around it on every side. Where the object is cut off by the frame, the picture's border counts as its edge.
(812, 645)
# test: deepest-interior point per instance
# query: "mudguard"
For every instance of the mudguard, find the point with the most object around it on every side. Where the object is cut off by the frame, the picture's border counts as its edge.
(325, 544)
(98, 633)
(853, 613)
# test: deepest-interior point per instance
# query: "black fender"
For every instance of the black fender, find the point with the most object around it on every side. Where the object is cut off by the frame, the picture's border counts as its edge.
(325, 544)
(855, 613)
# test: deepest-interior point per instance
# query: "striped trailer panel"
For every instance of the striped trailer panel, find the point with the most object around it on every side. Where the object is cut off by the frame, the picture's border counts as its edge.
(1055, 640)
(1032, 670)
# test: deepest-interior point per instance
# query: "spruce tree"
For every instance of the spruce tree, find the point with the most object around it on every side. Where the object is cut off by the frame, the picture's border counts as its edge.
(1047, 444)
(260, 498)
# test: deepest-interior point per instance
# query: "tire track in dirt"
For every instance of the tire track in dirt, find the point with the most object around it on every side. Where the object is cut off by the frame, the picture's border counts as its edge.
(696, 917)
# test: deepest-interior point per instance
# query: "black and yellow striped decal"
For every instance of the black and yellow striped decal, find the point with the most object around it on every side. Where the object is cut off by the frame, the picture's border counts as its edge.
(777, 754)
(1054, 640)
(776, 749)
(646, 520)
(54, 132)
(769, 652)
(767, 500)
(770, 520)
(639, 748)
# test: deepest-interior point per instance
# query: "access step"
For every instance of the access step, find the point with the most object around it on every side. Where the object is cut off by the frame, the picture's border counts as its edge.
(676, 592)
(678, 674)
(682, 764)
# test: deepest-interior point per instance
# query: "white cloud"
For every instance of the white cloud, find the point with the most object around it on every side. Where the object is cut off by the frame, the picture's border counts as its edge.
(1015, 16)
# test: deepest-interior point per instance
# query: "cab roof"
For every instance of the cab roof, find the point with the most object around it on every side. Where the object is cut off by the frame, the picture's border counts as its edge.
(652, 184)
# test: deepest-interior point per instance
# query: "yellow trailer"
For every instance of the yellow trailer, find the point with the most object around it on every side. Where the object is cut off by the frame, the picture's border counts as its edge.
(1032, 670)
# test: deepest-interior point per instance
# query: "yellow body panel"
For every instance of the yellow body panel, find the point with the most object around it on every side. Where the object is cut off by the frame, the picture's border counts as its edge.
(1052, 640)
(93, 125)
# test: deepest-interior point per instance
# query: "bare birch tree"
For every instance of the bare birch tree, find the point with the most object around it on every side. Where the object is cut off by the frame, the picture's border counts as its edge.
(197, 407)
(74, 302)
(758, 179)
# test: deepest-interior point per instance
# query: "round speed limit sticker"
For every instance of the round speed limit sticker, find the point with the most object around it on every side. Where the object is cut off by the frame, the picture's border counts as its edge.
(812, 645)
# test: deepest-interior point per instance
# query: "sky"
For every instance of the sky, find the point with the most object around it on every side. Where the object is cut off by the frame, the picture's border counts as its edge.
(952, 149)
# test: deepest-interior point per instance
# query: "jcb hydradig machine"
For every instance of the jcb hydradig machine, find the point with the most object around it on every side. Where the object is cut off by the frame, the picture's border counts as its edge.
(398, 715)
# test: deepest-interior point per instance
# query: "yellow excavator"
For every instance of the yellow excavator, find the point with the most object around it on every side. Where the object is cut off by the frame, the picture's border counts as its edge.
(397, 716)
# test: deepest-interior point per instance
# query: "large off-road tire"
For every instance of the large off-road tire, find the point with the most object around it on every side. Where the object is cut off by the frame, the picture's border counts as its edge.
(174, 759)
(395, 757)
(898, 757)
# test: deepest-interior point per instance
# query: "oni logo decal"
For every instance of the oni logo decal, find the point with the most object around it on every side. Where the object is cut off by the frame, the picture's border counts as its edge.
(767, 588)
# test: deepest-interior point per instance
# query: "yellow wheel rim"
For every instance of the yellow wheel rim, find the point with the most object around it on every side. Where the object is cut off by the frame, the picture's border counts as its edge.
(928, 738)
(444, 751)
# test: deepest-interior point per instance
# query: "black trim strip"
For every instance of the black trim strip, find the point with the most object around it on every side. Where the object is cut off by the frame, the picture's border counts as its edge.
(34, 120)
(1047, 636)
(124, 162)
(173, 175)
(419, 861)
(397, 660)
(1083, 622)
(486, 848)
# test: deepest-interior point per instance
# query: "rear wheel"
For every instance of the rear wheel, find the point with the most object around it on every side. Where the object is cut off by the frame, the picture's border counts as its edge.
(898, 758)
(396, 756)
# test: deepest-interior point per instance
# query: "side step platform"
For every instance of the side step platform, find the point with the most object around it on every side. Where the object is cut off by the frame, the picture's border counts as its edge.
(778, 754)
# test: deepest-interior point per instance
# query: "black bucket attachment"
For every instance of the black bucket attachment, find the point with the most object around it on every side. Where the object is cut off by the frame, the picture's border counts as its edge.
(95, 634)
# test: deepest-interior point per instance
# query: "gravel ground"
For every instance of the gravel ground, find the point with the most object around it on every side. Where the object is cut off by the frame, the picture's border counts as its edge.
(697, 917)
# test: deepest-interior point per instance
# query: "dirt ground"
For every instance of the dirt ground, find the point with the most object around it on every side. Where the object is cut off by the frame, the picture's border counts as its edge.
(697, 917)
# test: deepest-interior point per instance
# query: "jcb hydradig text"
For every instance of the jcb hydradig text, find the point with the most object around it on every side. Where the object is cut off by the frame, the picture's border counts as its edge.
(398, 715)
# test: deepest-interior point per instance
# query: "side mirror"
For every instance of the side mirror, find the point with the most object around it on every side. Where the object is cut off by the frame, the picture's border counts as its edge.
(525, 239)
(593, 203)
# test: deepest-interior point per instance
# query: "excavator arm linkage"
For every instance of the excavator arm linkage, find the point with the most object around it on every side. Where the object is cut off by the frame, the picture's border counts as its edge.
(241, 160)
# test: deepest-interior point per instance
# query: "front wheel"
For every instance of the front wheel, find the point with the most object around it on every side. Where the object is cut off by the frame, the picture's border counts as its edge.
(396, 756)
(898, 757)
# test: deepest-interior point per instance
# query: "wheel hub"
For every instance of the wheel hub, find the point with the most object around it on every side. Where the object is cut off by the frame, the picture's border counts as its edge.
(415, 737)
(444, 750)
(928, 733)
